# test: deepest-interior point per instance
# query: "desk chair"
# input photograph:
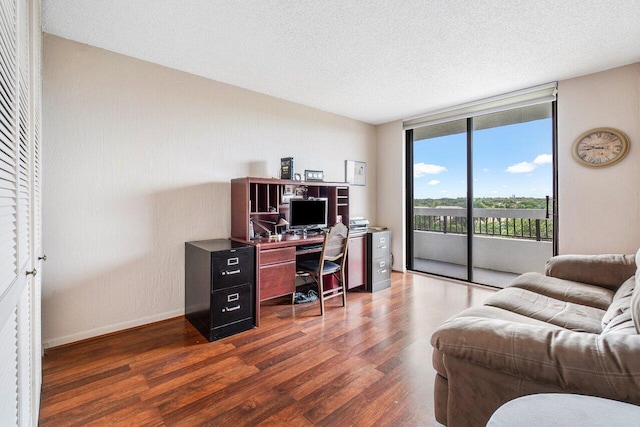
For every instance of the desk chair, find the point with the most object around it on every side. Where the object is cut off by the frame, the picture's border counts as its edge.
(332, 261)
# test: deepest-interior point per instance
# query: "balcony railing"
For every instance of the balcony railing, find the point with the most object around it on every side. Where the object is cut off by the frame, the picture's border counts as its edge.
(529, 224)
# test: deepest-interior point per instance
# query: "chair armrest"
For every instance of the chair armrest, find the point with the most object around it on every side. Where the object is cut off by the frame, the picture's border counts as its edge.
(602, 365)
(607, 271)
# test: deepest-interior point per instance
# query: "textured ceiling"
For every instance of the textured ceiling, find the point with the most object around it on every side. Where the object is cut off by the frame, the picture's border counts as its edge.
(374, 61)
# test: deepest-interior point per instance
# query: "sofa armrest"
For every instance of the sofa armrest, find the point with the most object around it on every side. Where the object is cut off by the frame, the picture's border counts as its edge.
(608, 271)
(602, 365)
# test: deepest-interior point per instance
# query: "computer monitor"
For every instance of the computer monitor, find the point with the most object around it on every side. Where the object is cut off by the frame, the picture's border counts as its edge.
(306, 214)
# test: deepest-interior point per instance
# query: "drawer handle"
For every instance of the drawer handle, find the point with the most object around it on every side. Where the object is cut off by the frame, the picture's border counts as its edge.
(227, 309)
(382, 240)
(382, 247)
(232, 261)
(382, 264)
(382, 271)
(229, 273)
(233, 297)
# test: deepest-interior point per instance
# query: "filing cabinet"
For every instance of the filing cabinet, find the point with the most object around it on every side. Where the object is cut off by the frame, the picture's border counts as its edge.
(219, 291)
(378, 260)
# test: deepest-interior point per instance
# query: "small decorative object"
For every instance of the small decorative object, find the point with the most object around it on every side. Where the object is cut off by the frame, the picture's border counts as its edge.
(297, 177)
(356, 172)
(286, 168)
(601, 147)
(310, 175)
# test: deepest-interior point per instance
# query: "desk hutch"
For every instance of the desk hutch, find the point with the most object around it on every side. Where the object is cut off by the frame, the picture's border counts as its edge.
(262, 200)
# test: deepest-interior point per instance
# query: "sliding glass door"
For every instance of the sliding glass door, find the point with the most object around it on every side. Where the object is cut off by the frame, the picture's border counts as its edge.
(440, 199)
(482, 195)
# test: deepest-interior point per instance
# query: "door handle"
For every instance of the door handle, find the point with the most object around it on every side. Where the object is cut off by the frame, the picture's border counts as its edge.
(42, 258)
(33, 272)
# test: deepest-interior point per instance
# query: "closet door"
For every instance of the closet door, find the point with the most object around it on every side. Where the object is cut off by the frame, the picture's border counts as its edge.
(10, 283)
(37, 253)
(19, 213)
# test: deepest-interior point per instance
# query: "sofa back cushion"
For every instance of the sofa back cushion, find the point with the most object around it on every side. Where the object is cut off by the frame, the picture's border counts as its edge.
(621, 302)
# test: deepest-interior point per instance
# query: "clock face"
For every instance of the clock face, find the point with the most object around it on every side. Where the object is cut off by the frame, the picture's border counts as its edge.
(601, 147)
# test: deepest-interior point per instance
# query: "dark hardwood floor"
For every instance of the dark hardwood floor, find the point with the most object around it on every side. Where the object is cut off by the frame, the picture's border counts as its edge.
(367, 365)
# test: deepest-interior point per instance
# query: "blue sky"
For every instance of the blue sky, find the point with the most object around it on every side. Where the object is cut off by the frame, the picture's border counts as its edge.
(507, 160)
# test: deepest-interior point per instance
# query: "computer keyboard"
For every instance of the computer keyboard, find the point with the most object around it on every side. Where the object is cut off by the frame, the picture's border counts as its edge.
(302, 248)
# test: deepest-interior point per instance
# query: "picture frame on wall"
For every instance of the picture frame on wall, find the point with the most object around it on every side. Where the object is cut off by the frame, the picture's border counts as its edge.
(356, 172)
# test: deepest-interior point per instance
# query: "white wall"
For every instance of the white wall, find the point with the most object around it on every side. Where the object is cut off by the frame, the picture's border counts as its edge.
(138, 161)
(599, 208)
(391, 188)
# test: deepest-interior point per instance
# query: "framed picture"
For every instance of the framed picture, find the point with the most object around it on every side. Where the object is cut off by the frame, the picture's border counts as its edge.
(356, 172)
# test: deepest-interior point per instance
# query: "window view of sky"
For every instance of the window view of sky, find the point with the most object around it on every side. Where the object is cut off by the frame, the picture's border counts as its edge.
(507, 161)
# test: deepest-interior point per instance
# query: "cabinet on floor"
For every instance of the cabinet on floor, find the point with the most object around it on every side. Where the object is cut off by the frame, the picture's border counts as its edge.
(378, 260)
(219, 287)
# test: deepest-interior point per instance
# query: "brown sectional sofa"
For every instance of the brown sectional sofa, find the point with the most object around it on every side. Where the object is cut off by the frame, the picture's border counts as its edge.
(574, 329)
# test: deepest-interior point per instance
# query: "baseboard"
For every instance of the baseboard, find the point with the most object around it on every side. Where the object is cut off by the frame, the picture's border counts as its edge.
(92, 333)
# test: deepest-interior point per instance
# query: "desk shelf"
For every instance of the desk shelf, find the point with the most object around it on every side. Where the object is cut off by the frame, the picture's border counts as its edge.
(275, 261)
(262, 198)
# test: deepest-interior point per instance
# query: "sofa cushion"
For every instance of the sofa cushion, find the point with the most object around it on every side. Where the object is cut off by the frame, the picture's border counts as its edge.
(576, 317)
(565, 290)
(489, 312)
(608, 271)
(626, 289)
(621, 324)
(621, 302)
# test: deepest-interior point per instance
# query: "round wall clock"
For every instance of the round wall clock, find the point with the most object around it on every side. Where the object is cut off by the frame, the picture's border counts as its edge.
(601, 147)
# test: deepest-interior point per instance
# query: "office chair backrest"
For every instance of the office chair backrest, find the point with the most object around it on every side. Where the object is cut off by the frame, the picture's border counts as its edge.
(335, 242)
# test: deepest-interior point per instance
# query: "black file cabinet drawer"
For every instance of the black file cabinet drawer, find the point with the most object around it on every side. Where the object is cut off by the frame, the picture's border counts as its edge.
(231, 305)
(219, 287)
(231, 268)
(378, 260)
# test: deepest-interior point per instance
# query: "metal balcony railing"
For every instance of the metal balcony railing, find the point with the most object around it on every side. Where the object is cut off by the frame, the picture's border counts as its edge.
(529, 224)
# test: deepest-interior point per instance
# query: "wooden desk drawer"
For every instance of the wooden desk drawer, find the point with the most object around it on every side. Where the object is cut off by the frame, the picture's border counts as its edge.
(272, 256)
(277, 279)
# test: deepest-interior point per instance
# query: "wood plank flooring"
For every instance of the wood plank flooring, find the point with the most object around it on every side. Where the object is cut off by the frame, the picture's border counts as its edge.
(367, 365)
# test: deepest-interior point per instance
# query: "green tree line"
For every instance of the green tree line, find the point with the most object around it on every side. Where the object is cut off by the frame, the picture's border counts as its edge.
(486, 202)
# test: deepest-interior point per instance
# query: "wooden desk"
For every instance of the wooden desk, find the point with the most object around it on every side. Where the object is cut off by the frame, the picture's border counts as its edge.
(276, 265)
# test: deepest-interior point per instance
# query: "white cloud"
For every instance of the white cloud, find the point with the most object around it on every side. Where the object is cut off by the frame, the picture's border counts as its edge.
(444, 191)
(542, 159)
(522, 167)
(434, 182)
(525, 167)
(486, 170)
(421, 169)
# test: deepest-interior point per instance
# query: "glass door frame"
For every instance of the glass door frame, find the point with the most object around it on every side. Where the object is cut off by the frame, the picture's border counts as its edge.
(470, 235)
